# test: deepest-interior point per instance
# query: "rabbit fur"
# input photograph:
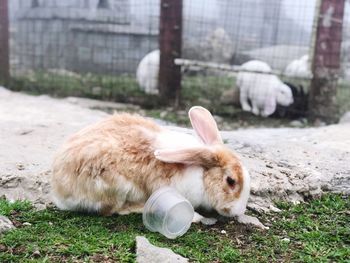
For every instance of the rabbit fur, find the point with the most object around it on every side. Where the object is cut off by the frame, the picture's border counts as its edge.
(147, 72)
(114, 166)
(299, 68)
(263, 91)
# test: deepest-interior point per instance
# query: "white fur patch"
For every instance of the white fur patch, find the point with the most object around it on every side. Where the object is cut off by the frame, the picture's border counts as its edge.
(123, 191)
(190, 185)
(73, 204)
(176, 140)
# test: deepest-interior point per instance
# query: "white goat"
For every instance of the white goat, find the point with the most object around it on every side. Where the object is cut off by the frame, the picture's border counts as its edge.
(264, 91)
(147, 72)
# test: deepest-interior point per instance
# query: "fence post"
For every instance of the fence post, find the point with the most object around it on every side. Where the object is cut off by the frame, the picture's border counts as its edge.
(170, 43)
(4, 43)
(326, 61)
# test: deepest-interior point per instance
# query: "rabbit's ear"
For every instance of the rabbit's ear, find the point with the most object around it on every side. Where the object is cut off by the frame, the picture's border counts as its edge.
(202, 156)
(204, 125)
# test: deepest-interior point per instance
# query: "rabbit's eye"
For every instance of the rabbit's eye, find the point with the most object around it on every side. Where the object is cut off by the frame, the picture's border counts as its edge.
(230, 181)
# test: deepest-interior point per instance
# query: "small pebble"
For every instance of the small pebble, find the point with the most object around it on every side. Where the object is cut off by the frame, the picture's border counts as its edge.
(20, 166)
(36, 254)
(3, 248)
(223, 232)
(287, 240)
(208, 221)
(163, 114)
(26, 224)
(274, 209)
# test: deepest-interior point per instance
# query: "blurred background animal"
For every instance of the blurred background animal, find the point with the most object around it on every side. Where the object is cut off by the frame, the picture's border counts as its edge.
(147, 72)
(298, 109)
(261, 93)
(299, 68)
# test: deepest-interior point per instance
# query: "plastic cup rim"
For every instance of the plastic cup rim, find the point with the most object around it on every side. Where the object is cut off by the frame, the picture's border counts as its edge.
(149, 204)
(183, 229)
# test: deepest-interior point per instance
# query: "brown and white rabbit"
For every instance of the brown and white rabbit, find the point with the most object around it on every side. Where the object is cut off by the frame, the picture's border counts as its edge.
(114, 166)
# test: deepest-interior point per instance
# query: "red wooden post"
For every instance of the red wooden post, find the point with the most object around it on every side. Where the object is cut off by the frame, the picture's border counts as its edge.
(4, 42)
(326, 61)
(170, 43)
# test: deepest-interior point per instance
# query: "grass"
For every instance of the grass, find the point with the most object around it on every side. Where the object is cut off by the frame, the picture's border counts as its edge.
(317, 231)
(196, 90)
(122, 88)
(343, 97)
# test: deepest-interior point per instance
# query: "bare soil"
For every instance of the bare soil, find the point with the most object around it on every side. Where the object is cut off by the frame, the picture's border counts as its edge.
(285, 163)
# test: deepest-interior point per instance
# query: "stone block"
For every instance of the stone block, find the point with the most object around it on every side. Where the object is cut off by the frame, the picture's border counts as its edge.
(56, 26)
(122, 41)
(38, 50)
(101, 56)
(79, 38)
(5, 224)
(146, 252)
(111, 41)
(97, 40)
(84, 54)
(38, 26)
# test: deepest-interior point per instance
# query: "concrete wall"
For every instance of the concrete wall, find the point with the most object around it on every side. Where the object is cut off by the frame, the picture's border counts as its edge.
(98, 52)
(80, 39)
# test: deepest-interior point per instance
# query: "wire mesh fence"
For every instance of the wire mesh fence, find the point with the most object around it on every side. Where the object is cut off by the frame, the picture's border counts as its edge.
(103, 49)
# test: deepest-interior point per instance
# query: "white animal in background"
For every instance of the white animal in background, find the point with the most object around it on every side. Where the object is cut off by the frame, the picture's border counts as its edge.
(217, 47)
(256, 65)
(147, 72)
(299, 68)
(264, 91)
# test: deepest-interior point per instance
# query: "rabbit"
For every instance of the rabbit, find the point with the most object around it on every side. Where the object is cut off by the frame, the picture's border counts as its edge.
(299, 107)
(115, 165)
(299, 68)
(147, 72)
(264, 91)
(256, 65)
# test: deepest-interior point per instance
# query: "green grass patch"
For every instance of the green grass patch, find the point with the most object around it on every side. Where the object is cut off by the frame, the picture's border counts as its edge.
(203, 90)
(122, 88)
(317, 231)
(196, 90)
(343, 97)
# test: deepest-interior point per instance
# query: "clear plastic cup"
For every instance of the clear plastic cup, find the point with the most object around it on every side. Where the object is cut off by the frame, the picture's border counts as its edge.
(168, 213)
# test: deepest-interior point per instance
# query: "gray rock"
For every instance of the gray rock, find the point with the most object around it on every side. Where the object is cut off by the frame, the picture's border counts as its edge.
(345, 118)
(296, 123)
(5, 224)
(163, 114)
(251, 220)
(96, 90)
(146, 253)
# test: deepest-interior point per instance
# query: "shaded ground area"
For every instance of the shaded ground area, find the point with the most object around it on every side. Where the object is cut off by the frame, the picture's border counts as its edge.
(288, 164)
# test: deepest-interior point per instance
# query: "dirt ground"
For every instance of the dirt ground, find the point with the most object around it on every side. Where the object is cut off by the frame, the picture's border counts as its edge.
(285, 163)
